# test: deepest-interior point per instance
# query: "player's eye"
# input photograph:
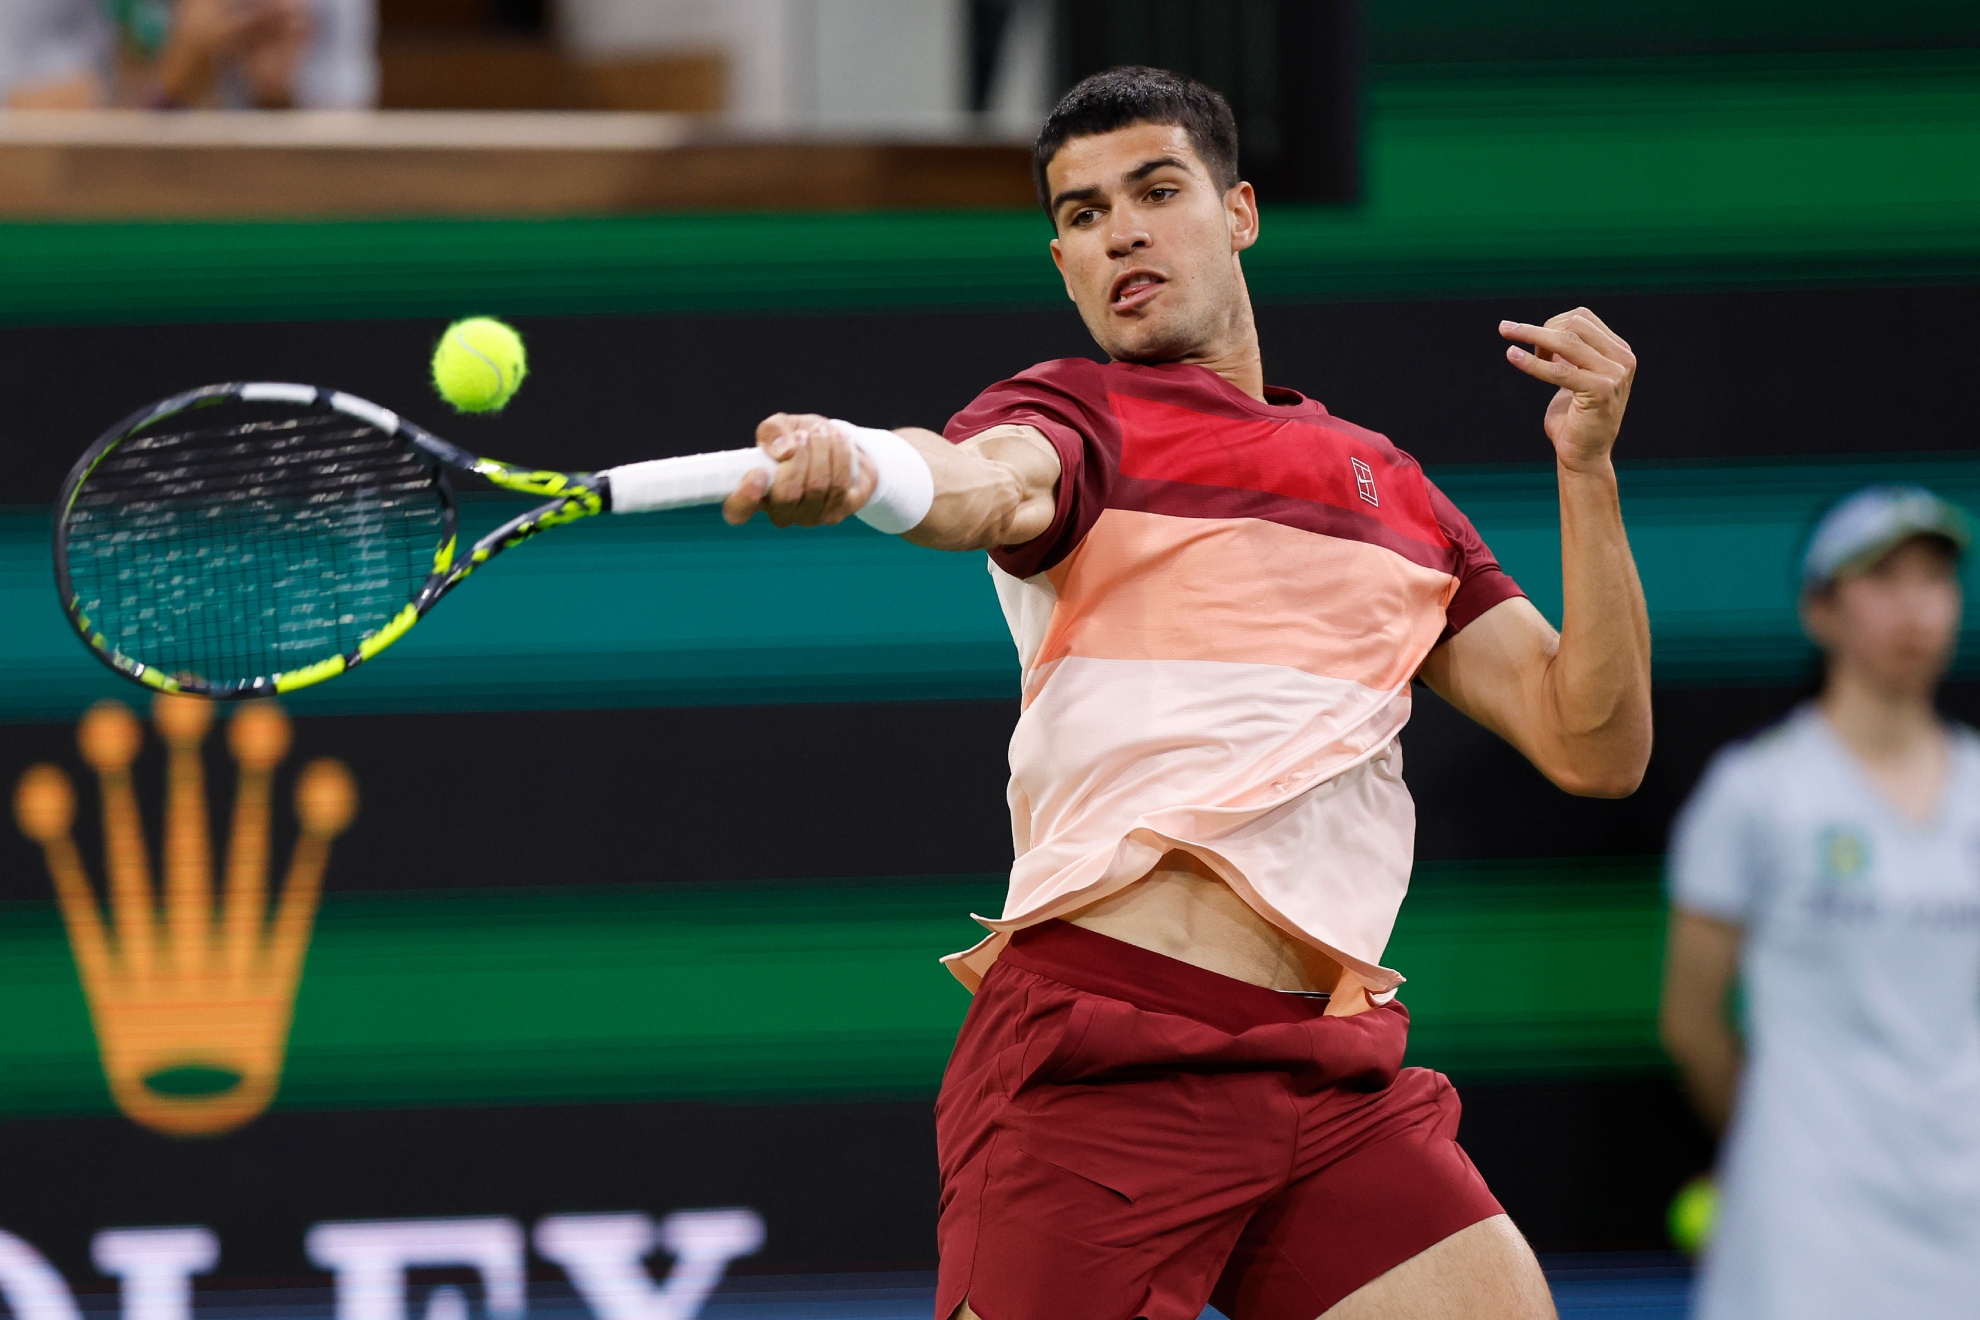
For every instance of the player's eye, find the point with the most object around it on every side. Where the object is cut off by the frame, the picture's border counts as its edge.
(1162, 193)
(1085, 217)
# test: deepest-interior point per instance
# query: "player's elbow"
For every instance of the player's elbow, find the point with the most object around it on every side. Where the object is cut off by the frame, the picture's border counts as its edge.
(1597, 784)
(1608, 760)
(1611, 771)
(979, 505)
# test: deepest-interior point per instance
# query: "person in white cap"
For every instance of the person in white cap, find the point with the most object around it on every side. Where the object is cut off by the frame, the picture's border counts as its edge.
(1833, 864)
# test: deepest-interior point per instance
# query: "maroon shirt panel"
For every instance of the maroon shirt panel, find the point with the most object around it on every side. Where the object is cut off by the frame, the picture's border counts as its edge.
(1481, 582)
(1068, 401)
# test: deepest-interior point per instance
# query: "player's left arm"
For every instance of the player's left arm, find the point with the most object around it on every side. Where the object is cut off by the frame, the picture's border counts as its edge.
(1576, 702)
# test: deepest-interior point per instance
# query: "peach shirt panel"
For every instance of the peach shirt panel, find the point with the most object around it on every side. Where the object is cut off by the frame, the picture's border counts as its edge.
(1254, 729)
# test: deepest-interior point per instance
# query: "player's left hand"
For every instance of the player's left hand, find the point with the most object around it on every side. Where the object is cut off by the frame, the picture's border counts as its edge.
(818, 480)
(1594, 368)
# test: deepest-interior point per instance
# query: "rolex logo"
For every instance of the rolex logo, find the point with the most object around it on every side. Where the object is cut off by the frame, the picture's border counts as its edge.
(191, 1000)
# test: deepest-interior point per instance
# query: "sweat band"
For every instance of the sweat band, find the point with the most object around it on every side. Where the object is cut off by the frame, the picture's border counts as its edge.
(903, 485)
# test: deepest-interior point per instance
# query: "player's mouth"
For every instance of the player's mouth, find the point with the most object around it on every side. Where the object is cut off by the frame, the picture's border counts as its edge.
(1132, 290)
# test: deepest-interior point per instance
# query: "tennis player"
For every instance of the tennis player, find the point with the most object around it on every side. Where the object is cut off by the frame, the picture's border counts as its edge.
(1180, 1079)
(1833, 865)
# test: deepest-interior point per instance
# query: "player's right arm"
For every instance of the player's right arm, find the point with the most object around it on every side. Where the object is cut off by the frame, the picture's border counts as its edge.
(1701, 957)
(997, 488)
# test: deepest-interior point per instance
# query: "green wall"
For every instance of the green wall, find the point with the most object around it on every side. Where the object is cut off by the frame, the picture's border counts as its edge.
(815, 990)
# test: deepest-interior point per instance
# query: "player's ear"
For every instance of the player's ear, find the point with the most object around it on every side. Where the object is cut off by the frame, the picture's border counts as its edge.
(1241, 208)
(1059, 260)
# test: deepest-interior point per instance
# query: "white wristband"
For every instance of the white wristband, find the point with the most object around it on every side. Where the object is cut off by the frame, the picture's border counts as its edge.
(903, 484)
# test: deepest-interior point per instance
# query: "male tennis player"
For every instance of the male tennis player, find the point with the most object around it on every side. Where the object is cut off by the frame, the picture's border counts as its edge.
(1180, 1080)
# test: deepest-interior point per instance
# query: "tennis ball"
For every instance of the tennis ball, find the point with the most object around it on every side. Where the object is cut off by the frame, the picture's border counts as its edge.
(1693, 1212)
(479, 364)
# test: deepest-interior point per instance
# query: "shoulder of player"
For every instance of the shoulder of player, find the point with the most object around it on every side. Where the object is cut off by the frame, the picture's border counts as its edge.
(1061, 390)
(1075, 386)
(1073, 375)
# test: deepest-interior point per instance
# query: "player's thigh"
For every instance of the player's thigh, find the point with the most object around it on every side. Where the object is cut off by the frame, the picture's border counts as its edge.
(1484, 1272)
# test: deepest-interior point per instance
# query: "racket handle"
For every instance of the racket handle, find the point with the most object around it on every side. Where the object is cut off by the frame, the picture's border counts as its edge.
(680, 483)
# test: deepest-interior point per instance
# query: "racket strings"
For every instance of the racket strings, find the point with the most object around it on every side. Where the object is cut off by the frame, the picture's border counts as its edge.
(239, 541)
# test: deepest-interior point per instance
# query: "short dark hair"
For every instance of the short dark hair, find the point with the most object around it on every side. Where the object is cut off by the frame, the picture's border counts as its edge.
(1136, 94)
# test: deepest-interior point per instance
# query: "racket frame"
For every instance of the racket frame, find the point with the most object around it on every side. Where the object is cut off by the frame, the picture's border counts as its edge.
(568, 497)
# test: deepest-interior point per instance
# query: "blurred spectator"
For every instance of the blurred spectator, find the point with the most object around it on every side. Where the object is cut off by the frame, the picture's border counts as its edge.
(1833, 863)
(267, 54)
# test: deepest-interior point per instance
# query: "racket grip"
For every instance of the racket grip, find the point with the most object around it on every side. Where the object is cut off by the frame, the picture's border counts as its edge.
(680, 483)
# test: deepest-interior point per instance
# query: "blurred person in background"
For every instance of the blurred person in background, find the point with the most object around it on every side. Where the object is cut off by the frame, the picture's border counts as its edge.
(164, 54)
(1833, 863)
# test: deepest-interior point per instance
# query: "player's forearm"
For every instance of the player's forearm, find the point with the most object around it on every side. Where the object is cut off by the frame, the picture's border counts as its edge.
(1598, 682)
(996, 489)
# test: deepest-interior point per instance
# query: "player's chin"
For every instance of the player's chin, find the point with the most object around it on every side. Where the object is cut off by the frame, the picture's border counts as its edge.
(1146, 341)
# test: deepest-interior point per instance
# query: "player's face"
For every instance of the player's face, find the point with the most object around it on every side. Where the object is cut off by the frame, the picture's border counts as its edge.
(1896, 623)
(1148, 244)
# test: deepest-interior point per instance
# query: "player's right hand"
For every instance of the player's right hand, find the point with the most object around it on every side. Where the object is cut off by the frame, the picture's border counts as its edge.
(818, 480)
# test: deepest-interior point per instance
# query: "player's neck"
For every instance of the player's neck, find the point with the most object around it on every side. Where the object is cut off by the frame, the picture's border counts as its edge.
(1242, 367)
(1234, 354)
(1240, 362)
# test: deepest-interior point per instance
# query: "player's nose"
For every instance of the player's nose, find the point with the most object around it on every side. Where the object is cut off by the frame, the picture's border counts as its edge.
(1127, 241)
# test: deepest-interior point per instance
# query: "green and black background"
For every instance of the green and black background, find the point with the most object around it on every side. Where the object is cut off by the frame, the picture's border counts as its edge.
(664, 824)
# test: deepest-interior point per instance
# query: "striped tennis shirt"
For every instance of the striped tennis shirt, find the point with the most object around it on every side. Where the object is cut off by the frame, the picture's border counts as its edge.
(1217, 633)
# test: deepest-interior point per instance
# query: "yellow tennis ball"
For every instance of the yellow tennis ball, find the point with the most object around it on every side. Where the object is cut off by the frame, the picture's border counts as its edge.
(479, 364)
(1694, 1211)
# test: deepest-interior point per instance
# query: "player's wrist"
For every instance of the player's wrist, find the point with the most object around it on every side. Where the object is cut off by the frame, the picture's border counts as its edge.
(1597, 466)
(903, 485)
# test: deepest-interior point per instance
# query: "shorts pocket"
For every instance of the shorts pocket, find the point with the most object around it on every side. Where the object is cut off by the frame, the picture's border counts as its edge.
(1107, 1182)
(1062, 1061)
(1055, 1244)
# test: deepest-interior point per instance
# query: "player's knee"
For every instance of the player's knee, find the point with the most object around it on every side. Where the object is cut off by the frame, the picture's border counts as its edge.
(1497, 1261)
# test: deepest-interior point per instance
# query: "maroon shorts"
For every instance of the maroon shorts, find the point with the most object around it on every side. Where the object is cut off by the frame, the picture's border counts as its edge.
(1124, 1135)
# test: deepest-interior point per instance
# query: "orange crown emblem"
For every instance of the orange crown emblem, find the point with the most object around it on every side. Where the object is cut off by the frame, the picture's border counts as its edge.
(191, 1006)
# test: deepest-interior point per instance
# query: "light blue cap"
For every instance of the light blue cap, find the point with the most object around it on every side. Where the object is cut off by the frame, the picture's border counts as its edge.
(1863, 528)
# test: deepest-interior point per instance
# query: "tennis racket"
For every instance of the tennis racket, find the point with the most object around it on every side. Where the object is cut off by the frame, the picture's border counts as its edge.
(247, 539)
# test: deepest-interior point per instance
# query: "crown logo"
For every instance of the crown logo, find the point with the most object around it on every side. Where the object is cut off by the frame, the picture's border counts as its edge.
(191, 1004)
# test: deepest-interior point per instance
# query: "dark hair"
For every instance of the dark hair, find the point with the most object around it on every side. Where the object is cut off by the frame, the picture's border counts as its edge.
(1136, 94)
